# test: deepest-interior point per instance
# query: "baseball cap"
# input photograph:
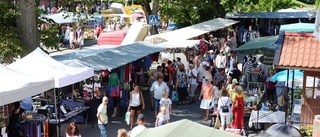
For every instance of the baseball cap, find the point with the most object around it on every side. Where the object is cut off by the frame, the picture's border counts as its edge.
(205, 63)
(221, 50)
(207, 77)
(210, 51)
(141, 117)
(191, 65)
(235, 81)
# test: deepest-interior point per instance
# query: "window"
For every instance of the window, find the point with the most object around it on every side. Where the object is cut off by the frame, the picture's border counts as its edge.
(312, 87)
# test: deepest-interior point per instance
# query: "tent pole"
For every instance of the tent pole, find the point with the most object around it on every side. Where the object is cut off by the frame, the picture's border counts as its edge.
(56, 111)
(292, 91)
(286, 111)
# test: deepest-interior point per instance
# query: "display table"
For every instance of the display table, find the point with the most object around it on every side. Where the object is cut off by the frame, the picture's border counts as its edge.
(266, 117)
(72, 114)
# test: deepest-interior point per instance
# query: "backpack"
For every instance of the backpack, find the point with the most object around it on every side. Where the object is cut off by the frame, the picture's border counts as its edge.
(225, 107)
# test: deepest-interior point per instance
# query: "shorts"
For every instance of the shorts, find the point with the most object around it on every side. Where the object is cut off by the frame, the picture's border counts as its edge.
(115, 101)
(192, 89)
(156, 104)
(136, 107)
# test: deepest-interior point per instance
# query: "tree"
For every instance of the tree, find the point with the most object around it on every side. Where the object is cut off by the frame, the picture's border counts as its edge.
(188, 12)
(10, 44)
(256, 5)
(26, 23)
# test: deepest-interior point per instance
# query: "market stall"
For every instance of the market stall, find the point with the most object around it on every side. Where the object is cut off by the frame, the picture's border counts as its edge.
(17, 86)
(63, 75)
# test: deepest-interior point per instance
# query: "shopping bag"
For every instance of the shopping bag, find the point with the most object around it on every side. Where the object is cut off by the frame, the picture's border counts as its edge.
(217, 124)
(175, 96)
(127, 117)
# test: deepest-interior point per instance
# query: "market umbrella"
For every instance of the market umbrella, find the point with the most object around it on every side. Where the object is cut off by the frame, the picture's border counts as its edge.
(137, 15)
(184, 128)
(281, 130)
(282, 75)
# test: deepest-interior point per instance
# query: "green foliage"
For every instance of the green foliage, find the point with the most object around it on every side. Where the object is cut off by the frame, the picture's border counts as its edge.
(188, 12)
(10, 43)
(256, 5)
(308, 1)
(306, 131)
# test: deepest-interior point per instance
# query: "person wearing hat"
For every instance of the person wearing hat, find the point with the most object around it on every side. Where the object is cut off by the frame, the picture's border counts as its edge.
(138, 129)
(207, 95)
(231, 88)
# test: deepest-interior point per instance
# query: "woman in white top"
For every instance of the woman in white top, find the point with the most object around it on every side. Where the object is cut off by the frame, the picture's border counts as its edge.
(71, 38)
(136, 103)
(217, 93)
(224, 109)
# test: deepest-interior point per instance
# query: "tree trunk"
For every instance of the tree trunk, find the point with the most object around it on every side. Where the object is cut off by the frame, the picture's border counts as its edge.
(27, 25)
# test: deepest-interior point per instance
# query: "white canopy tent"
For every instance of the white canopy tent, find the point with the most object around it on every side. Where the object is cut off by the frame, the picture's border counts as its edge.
(179, 43)
(16, 86)
(67, 17)
(190, 32)
(38, 63)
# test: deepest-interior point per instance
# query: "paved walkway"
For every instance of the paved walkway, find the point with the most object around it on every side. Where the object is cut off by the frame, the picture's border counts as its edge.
(191, 112)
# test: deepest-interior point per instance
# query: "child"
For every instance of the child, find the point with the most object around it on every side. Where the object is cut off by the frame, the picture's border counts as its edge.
(161, 118)
(167, 103)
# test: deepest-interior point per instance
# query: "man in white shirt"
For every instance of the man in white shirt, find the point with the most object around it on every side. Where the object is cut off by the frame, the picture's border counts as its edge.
(157, 88)
(103, 117)
(192, 74)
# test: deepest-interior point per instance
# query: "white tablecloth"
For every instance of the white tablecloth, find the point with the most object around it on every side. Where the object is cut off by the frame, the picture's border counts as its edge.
(267, 117)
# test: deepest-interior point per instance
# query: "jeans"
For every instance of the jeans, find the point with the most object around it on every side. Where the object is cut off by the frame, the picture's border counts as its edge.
(156, 104)
(103, 130)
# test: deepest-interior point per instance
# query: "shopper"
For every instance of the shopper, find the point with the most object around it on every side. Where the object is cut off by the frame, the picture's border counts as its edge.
(224, 109)
(103, 117)
(238, 108)
(138, 129)
(157, 88)
(271, 89)
(122, 133)
(161, 117)
(181, 86)
(206, 93)
(72, 130)
(151, 80)
(167, 103)
(193, 82)
(136, 103)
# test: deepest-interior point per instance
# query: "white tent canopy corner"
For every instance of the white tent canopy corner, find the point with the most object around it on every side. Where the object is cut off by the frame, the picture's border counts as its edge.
(38, 63)
(16, 86)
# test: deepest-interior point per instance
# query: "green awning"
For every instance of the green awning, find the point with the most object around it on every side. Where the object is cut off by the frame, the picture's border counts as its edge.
(298, 27)
(259, 45)
(184, 128)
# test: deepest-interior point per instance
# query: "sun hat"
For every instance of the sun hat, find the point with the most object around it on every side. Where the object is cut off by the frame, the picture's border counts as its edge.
(235, 81)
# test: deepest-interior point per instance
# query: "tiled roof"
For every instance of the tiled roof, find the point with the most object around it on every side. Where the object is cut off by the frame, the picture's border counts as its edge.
(300, 50)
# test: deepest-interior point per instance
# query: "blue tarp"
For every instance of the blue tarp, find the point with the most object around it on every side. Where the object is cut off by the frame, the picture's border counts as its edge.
(109, 59)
